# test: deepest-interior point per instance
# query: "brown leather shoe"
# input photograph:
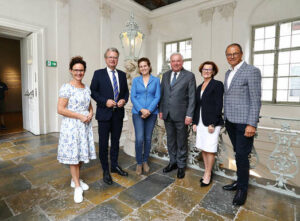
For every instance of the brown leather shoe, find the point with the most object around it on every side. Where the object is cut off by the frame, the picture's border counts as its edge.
(138, 169)
(146, 167)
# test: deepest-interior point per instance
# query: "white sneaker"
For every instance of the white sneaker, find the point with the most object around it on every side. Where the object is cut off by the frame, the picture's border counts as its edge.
(78, 198)
(82, 184)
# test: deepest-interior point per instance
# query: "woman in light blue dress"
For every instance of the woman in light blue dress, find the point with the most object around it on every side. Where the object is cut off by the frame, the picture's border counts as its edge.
(76, 143)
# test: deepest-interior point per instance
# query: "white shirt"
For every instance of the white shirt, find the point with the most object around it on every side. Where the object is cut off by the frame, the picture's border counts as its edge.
(172, 75)
(110, 74)
(233, 72)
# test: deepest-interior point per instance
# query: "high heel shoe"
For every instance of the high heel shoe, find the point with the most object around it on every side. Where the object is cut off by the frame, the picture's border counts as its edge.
(206, 184)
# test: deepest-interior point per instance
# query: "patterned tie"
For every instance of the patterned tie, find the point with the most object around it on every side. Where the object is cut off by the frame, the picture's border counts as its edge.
(115, 84)
(174, 79)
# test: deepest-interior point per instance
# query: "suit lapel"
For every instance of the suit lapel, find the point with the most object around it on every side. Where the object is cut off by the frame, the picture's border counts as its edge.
(237, 75)
(107, 79)
(208, 87)
(181, 75)
(169, 78)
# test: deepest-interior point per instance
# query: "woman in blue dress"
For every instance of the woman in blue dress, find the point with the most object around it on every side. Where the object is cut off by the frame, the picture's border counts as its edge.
(76, 143)
(145, 95)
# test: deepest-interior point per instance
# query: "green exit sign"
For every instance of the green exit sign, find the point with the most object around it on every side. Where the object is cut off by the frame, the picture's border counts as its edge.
(51, 63)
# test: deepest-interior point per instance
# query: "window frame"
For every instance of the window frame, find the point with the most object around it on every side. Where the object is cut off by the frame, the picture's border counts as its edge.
(167, 61)
(276, 51)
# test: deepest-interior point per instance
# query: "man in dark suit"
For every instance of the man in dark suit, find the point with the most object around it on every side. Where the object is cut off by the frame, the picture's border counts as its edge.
(176, 108)
(241, 112)
(110, 90)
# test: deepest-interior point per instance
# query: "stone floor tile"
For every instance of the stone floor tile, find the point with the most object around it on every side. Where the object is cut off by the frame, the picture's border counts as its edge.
(92, 163)
(180, 198)
(6, 164)
(199, 213)
(38, 141)
(127, 181)
(39, 149)
(155, 210)
(246, 215)
(6, 144)
(15, 155)
(26, 200)
(100, 191)
(64, 208)
(37, 159)
(13, 184)
(145, 190)
(153, 167)
(126, 161)
(3, 152)
(4, 210)
(92, 174)
(110, 210)
(269, 204)
(219, 201)
(16, 148)
(32, 215)
(192, 182)
(15, 169)
(46, 173)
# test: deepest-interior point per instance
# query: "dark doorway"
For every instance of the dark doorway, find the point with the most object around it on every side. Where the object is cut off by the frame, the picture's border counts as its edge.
(10, 74)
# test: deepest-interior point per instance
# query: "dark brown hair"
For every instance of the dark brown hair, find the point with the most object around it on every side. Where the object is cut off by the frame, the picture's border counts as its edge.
(215, 67)
(77, 60)
(147, 61)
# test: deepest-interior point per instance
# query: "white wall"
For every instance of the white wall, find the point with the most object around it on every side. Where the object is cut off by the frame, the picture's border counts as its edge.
(210, 38)
(88, 27)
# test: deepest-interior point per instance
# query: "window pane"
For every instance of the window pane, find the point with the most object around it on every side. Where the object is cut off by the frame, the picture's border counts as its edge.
(266, 95)
(259, 33)
(295, 69)
(270, 31)
(187, 65)
(284, 57)
(261, 68)
(285, 29)
(259, 45)
(285, 42)
(283, 83)
(283, 70)
(295, 56)
(294, 89)
(267, 83)
(296, 27)
(258, 59)
(268, 58)
(270, 44)
(188, 44)
(282, 95)
(295, 40)
(268, 71)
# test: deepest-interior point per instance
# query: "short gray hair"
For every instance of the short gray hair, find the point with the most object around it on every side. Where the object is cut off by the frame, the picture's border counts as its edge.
(176, 53)
(111, 49)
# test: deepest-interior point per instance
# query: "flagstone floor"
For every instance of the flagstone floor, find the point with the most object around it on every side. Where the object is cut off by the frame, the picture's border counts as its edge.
(34, 186)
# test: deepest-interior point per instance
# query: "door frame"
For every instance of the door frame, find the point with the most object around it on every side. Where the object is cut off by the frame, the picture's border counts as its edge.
(15, 27)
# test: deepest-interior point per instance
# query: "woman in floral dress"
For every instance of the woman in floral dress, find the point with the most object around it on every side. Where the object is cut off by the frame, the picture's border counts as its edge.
(76, 143)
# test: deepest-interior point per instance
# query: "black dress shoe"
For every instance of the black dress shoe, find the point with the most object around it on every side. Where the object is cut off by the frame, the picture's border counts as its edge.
(231, 187)
(180, 173)
(119, 171)
(170, 167)
(240, 197)
(107, 178)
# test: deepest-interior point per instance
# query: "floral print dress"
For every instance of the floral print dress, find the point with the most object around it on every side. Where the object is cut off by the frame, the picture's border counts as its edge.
(76, 142)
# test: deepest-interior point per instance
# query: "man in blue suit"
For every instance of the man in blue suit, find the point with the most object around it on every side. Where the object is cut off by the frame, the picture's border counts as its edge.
(110, 90)
(241, 112)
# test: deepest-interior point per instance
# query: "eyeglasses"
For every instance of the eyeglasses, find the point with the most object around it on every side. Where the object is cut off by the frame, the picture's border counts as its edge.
(111, 57)
(235, 54)
(207, 70)
(78, 70)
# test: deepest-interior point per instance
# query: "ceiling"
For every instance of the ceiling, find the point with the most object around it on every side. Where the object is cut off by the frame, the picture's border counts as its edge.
(154, 4)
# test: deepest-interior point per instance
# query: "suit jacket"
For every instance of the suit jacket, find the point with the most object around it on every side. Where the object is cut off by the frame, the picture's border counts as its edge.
(102, 90)
(242, 100)
(145, 97)
(211, 104)
(178, 100)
